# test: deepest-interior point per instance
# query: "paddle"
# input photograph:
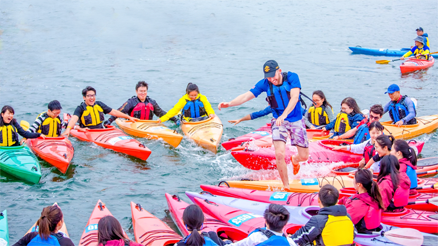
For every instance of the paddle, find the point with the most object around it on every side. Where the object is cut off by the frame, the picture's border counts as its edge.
(427, 172)
(433, 201)
(403, 236)
(388, 61)
(25, 125)
(435, 186)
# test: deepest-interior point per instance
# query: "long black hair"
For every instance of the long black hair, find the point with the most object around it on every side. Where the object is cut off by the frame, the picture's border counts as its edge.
(407, 151)
(385, 141)
(108, 229)
(276, 217)
(4, 109)
(389, 166)
(322, 96)
(193, 218)
(365, 177)
(352, 104)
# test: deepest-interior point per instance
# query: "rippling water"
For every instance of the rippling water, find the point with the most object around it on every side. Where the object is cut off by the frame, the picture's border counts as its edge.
(53, 49)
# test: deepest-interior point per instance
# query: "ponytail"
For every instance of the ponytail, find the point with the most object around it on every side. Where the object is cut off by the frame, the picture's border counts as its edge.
(407, 151)
(365, 177)
(47, 223)
(193, 218)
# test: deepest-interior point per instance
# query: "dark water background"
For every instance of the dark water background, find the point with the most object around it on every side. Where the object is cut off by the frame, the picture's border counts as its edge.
(53, 49)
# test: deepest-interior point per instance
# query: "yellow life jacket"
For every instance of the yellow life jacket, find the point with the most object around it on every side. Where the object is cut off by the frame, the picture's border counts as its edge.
(92, 115)
(342, 124)
(8, 135)
(318, 116)
(50, 127)
(338, 230)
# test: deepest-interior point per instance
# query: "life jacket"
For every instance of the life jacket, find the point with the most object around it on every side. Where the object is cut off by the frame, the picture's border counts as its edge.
(399, 110)
(318, 116)
(143, 110)
(362, 134)
(8, 135)
(336, 231)
(342, 124)
(373, 218)
(369, 152)
(50, 127)
(208, 241)
(92, 115)
(194, 109)
(272, 238)
(401, 194)
(412, 174)
(38, 241)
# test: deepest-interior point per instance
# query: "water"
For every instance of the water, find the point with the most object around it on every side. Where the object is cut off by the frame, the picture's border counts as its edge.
(52, 50)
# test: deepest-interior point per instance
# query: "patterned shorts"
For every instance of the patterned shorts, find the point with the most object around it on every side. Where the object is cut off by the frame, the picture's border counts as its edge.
(295, 130)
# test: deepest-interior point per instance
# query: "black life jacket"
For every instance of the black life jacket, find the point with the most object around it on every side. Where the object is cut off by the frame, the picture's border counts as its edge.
(92, 115)
(143, 110)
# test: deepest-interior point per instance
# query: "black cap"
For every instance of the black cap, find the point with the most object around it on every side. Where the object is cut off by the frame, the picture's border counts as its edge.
(419, 29)
(270, 68)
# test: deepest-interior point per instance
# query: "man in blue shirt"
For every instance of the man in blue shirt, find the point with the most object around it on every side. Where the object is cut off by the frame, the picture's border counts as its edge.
(283, 91)
(401, 108)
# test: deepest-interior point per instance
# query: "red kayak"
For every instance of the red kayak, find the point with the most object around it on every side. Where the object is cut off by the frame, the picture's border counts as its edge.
(57, 151)
(113, 138)
(176, 208)
(149, 230)
(412, 65)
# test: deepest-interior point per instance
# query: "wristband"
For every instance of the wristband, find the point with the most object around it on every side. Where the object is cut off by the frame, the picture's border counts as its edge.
(68, 127)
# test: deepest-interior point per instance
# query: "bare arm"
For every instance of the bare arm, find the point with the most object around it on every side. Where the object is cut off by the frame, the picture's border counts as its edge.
(244, 118)
(349, 134)
(119, 114)
(245, 97)
(70, 125)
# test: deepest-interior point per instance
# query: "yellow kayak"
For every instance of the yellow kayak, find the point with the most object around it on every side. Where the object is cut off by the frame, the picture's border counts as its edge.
(63, 228)
(206, 133)
(425, 124)
(150, 129)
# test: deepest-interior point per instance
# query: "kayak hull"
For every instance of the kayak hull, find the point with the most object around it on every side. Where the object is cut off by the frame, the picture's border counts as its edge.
(4, 231)
(206, 133)
(381, 52)
(21, 163)
(150, 129)
(412, 65)
(426, 124)
(114, 139)
(58, 151)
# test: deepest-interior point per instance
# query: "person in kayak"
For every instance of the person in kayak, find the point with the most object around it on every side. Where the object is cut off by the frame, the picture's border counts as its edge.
(49, 224)
(349, 117)
(393, 187)
(366, 206)
(366, 148)
(420, 32)
(283, 90)
(420, 50)
(321, 113)
(49, 123)
(110, 233)
(331, 226)
(276, 217)
(10, 129)
(361, 132)
(401, 108)
(90, 113)
(407, 158)
(141, 106)
(194, 106)
(382, 147)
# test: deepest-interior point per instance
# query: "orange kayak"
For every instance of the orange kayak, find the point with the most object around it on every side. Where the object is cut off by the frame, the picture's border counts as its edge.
(206, 133)
(150, 129)
(58, 151)
(63, 229)
(115, 139)
(412, 65)
(425, 124)
(149, 230)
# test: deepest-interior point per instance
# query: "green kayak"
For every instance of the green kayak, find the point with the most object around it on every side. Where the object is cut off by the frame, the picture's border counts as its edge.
(4, 233)
(20, 162)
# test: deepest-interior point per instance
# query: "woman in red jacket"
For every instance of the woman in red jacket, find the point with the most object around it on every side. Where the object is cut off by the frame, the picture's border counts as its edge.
(366, 206)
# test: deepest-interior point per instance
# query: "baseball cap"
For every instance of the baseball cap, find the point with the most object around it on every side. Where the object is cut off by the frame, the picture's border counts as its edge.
(419, 29)
(392, 88)
(270, 68)
(419, 39)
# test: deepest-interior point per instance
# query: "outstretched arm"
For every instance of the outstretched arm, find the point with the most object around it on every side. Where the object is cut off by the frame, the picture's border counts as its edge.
(117, 113)
(245, 97)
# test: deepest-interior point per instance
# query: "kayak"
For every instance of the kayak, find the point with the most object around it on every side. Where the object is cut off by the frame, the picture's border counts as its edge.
(56, 151)
(63, 229)
(381, 52)
(206, 133)
(425, 124)
(150, 129)
(412, 65)
(4, 231)
(20, 162)
(149, 230)
(245, 219)
(176, 208)
(115, 139)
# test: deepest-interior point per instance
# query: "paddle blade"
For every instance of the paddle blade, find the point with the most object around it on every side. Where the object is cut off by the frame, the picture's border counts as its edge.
(405, 236)
(383, 61)
(25, 125)
(433, 201)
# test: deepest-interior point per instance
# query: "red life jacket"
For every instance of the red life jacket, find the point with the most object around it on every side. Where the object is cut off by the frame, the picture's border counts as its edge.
(373, 218)
(401, 194)
(143, 111)
(358, 203)
(369, 152)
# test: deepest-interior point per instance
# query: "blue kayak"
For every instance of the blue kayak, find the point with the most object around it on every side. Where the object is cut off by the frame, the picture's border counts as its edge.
(381, 52)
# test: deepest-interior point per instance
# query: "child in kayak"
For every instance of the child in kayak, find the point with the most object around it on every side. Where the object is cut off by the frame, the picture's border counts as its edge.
(393, 187)
(331, 226)
(110, 233)
(366, 148)
(407, 159)
(366, 206)
(194, 106)
(349, 117)
(10, 129)
(420, 50)
(321, 113)
(276, 217)
(49, 224)
(382, 146)
(49, 123)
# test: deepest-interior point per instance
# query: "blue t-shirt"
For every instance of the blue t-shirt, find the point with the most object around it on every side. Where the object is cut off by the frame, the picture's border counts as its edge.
(291, 82)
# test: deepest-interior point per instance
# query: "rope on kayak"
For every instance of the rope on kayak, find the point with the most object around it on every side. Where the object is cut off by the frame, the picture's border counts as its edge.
(146, 126)
(419, 217)
(206, 125)
(403, 132)
(224, 182)
(206, 192)
(151, 237)
(49, 143)
(422, 121)
(104, 137)
(302, 197)
(338, 178)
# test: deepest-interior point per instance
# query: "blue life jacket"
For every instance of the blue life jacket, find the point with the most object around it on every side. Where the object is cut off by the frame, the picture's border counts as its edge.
(272, 238)
(412, 174)
(38, 241)
(208, 240)
(362, 134)
(399, 110)
(194, 109)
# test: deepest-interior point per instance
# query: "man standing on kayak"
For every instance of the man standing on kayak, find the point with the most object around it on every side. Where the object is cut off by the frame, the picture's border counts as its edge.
(283, 91)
